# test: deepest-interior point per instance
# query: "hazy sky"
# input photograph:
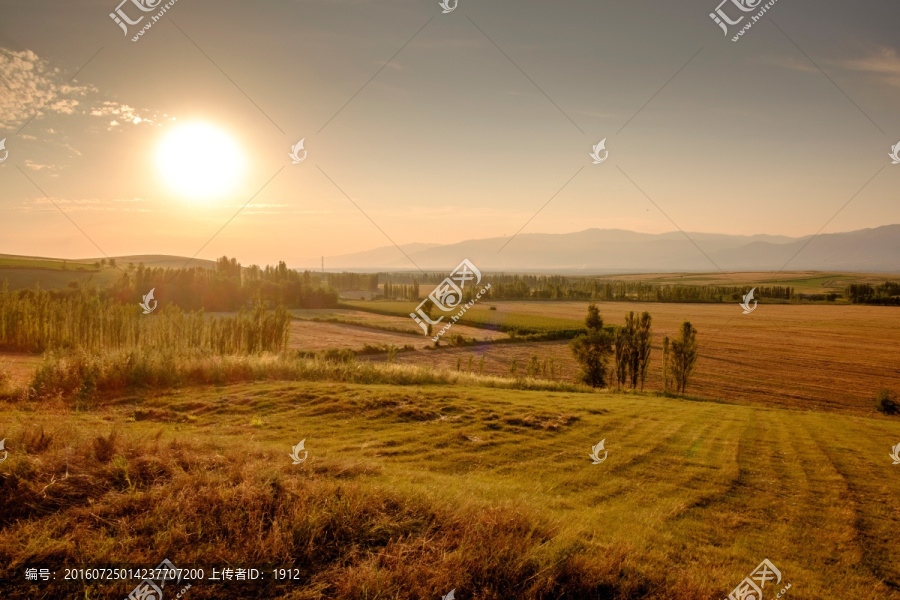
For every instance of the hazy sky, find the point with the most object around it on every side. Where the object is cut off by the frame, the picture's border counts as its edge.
(483, 115)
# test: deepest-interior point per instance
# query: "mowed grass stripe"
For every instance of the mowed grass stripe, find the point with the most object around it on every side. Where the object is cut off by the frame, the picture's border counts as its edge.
(871, 489)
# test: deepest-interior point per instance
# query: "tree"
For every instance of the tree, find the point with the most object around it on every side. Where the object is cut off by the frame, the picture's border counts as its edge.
(642, 345)
(886, 402)
(667, 364)
(592, 352)
(633, 350)
(592, 349)
(623, 355)
(684, 355)
(593, 321)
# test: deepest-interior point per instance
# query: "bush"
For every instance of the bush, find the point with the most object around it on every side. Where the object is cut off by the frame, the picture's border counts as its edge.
(885, 402)
(344, 355)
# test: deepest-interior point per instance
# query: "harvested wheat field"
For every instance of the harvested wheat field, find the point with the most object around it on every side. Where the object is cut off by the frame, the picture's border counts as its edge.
(806, 357)
(388, 323)
(315, 336)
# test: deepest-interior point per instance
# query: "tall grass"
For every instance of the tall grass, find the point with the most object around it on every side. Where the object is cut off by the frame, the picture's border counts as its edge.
(37, 321)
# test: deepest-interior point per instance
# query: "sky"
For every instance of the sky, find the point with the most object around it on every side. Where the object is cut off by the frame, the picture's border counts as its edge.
(433, 127)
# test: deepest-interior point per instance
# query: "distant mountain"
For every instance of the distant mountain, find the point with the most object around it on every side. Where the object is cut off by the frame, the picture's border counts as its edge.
(619, 251)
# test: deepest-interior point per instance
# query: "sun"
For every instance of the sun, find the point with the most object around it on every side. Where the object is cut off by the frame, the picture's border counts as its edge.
(199, 161)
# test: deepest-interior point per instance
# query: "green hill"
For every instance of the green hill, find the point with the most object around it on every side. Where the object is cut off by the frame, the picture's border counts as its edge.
(55, 273)
(411, 491)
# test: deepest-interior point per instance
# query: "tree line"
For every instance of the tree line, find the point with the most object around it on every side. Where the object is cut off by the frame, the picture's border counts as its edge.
(347, 281)
(557, 287)
(401, 291)
(887, 293)
(36, 320)
(629, 348)
(227, 287)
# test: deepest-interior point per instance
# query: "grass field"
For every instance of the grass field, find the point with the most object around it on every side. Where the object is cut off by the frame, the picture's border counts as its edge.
(24, 272)
(804, 282)
(481, 316)
(402, 324)
(410, 492)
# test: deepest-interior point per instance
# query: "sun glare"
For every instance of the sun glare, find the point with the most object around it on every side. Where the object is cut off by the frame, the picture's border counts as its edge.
(199, 160)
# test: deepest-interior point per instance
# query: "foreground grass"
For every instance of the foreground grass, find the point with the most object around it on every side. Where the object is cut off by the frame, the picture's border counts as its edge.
(411, 491)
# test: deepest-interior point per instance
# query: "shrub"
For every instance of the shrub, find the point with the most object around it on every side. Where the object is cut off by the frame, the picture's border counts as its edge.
(335, 355)
(105, 447)
(885, 402)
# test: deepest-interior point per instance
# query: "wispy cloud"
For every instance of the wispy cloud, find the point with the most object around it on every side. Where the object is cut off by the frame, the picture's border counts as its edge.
(35, 87)
(86, 204)
(32, 86)
(884, 63)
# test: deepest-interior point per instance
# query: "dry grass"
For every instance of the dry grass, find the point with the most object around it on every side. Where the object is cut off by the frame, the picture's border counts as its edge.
(409, 492)
(383, 323)
(19, 367)
(80, 377)
(315, 336)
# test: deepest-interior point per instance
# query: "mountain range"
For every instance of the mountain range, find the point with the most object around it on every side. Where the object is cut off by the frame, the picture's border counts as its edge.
(599, 251)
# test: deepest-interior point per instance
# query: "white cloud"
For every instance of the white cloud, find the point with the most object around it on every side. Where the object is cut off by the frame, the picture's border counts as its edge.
(34, 87)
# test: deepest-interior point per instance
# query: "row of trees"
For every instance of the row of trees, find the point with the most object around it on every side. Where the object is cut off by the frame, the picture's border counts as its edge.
(864, 293)
(228, 287)
(352, 281)
(562, 287)
(629, 346)
(401, 291)
(34, 321)
(558, 287)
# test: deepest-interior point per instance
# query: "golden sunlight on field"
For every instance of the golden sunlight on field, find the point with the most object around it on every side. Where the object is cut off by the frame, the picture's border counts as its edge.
(821, 357)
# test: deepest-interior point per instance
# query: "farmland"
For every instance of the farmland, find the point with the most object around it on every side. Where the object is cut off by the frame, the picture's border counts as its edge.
(806, 357)
(481, 315)
(446, 470)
